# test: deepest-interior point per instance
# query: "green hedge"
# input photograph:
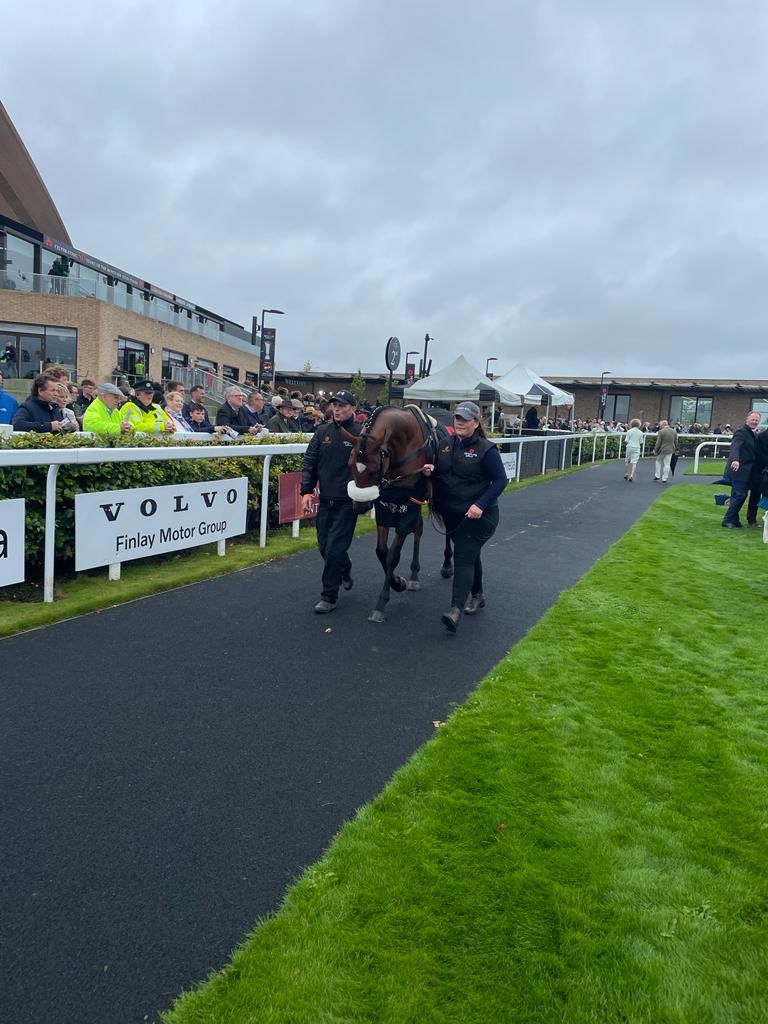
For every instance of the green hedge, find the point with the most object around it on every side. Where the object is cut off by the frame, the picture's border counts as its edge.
(29, 482)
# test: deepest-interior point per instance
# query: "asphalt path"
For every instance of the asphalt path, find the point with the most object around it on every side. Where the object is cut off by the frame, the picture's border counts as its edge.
(170, 766)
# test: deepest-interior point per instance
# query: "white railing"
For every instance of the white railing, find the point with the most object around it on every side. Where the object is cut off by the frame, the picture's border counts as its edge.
(704, 444)
(55, 457)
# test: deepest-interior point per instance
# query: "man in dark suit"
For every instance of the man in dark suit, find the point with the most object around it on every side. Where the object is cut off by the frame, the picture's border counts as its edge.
(231, 413)
(760, 468)
(742, 469)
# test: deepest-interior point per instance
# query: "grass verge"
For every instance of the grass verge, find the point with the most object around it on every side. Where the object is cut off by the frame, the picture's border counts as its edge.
(715, 468)
(584, 841)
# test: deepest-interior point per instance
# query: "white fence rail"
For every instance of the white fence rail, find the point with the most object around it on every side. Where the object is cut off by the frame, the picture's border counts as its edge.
(55, 457)
(725, 441)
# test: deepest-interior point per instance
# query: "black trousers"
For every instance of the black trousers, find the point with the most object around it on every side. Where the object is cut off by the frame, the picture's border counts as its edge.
(468, 536)
(335, 530)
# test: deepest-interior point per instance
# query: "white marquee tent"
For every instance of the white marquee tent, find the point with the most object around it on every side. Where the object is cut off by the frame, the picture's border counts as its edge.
(458, 381)
(525, 382)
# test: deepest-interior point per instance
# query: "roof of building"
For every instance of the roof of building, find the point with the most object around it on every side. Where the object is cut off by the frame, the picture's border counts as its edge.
(23, 194)
(700, 383)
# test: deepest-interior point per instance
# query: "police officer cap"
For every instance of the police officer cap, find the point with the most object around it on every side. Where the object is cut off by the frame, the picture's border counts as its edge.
(467, 411)
(144, 385)
(344, 396)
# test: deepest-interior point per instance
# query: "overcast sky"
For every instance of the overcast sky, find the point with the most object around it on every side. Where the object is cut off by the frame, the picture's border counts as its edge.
(577, 184)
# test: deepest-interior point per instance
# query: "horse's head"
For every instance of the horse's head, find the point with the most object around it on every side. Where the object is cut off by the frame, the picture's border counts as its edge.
(367, 461)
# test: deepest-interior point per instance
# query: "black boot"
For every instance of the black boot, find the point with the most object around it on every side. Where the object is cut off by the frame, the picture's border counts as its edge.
(475, 602)
(451, 619)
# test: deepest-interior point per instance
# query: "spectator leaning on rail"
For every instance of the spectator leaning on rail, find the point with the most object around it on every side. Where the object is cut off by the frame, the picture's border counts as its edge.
(231, 413)
(199, 422)
(144, 414)
(285, 420)
(8, 404)
(254, 409)
(41, 411)
(174, 405)
(103, 415)
(664, 449)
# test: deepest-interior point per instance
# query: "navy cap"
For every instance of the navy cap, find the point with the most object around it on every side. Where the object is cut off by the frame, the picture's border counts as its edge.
(344, 396)
(144, 385)
(467, 411)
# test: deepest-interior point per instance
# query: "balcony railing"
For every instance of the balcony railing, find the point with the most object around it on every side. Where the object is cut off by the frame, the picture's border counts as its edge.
(118, 295)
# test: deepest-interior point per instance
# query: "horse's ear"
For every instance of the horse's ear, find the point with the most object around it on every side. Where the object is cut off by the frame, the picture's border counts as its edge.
(352, 438)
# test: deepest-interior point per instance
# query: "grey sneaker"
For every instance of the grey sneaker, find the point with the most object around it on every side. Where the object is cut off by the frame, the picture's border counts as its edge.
(323, 607)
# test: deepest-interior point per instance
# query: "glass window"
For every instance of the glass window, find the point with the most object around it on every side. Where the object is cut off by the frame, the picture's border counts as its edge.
(20, 263)
(89, 282)
(617, 408)
(230, 371)
(22, 328)
(758, 405)
(688, 409)
(132, 357)
(171, 360)
(61, 346)
(207, 364)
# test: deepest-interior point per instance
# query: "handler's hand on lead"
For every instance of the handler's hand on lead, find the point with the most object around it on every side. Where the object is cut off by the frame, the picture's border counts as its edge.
(474, 512)
(735, 465)
(306, 503)
(428, 469)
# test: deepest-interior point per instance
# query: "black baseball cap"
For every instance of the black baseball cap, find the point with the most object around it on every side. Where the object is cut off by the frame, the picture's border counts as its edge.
(344, 396)
(144, 385)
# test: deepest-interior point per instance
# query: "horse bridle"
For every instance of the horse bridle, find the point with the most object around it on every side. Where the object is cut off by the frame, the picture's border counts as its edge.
(385, 455)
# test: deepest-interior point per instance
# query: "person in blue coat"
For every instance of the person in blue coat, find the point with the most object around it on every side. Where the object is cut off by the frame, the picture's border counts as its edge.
(8, 404)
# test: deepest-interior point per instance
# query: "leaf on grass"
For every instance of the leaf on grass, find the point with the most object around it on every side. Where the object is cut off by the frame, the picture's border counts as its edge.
(437, 723)
(502, 825)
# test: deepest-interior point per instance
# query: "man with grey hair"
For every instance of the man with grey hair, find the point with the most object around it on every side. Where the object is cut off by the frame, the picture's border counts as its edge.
(664, 449)
(232, 415)
(103, 415)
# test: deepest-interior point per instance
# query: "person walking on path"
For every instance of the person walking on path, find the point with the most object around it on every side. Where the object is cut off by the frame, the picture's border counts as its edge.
(634, 442)
(665, 448)
(470, 478)
(742, 469)
(326, 461)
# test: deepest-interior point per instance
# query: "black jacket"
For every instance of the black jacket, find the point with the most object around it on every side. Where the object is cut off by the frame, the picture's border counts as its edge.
(235, 418)
(34, 414)
(326, 461)
(469, 472)
(255, 418)
(744, 450)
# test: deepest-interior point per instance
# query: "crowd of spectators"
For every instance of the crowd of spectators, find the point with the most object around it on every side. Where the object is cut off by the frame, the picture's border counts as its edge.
(512, 423)
(56, 405)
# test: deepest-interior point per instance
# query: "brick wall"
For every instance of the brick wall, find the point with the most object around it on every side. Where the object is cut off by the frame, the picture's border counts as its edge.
(98, 325)
(653, 404)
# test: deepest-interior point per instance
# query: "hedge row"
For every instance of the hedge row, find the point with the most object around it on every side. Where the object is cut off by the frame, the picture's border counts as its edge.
(29, 482)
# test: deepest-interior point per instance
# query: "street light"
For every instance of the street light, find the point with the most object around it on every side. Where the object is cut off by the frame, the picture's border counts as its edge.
(277, 312)
(603, 395)
(490, 359)
(413, 352)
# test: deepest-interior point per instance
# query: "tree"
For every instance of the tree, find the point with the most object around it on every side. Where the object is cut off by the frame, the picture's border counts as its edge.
(357, 387)
(307, 368)
(383, 396)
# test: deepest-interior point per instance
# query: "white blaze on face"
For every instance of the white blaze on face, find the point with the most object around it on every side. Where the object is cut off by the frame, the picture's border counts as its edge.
(361, 467)
(362, 493)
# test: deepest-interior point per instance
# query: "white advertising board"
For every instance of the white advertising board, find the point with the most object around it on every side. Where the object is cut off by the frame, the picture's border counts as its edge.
(11, 541)
(116, 526)
(510, 464)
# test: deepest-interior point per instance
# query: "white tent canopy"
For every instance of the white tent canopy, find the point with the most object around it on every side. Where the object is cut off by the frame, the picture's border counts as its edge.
(524, 381)
(456, 382)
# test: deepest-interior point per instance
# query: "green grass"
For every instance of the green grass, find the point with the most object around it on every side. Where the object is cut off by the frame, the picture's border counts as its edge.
(584, 841)
(715, 467)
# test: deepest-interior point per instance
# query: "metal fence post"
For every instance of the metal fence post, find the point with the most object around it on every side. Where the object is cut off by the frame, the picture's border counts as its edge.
(605, 448)
(594, 446)
(581, 442)
(519, 451)
(264, 501)
(50, 531)
(544, 457)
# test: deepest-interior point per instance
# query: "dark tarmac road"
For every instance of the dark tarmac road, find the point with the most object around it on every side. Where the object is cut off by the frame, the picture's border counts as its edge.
(169, 766)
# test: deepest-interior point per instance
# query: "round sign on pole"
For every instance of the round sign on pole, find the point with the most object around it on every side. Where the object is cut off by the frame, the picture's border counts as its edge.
(392, 354)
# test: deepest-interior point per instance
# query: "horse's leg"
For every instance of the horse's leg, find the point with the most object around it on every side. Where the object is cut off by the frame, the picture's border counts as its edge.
(390, 580)
(382, 551)
(413, 582)
(447, 570)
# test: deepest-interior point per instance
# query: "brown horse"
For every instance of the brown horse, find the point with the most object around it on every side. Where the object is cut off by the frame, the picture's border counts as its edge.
(386, 462)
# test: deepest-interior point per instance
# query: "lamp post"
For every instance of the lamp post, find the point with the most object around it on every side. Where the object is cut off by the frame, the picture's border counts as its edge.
(413, 352)
(603, 395)
(263, 354)
(424, 369)
(490, 359)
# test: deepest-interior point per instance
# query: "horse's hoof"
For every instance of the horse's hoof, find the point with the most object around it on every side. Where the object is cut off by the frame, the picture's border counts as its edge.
(398, 584)
(413, 585)
(376, 616)
(446, 572)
